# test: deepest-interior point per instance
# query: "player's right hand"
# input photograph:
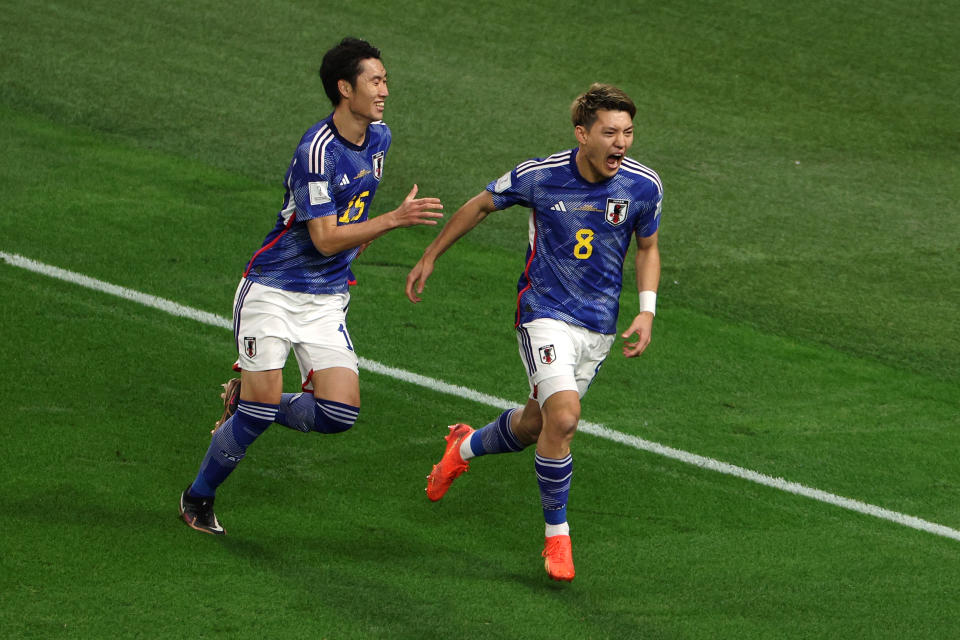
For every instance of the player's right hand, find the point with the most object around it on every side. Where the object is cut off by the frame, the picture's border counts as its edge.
(417, 278)
(415, 210)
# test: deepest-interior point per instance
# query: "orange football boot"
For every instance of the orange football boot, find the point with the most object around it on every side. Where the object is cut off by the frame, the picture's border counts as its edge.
(451, 465)
(558, 558)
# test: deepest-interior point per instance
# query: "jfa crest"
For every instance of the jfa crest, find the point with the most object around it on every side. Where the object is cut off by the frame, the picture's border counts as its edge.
(617, 210)
(548, 354)
(250, 347)
(378, 164)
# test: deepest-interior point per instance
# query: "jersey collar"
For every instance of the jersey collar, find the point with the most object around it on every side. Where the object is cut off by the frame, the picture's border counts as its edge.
(344, 141)
(576, 170)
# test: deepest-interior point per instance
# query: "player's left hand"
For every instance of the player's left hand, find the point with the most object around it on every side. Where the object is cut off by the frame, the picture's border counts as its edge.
(642, 326)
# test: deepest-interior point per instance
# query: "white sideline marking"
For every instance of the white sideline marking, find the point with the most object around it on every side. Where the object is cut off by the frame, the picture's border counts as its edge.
(499, 403)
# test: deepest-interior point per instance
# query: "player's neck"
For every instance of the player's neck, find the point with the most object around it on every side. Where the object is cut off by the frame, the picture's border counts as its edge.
(587, 171)
(352, 127)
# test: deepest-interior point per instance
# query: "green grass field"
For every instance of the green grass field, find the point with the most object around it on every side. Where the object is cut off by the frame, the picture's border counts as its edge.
(806, 330)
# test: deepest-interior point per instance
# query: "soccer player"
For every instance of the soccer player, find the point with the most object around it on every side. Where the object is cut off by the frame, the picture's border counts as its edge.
(586, 203)
(294, 291)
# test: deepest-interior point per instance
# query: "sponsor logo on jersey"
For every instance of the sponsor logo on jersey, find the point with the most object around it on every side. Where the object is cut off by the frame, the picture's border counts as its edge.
(547, 354)
(344, 181)
(319, 192)
(559, 207)
(617, 210)
(250, 347)
(378, 165)
(503, 183)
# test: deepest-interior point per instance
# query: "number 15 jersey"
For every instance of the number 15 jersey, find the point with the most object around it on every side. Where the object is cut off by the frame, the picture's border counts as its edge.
(328, 176)
(579, 235)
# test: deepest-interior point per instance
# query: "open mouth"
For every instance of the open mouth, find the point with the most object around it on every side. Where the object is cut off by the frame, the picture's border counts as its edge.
(614, 160)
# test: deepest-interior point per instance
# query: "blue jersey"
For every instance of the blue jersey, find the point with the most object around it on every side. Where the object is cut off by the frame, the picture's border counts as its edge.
(328, 176)
(579, 235)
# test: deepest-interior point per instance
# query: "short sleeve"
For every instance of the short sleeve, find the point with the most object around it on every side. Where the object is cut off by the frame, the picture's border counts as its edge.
(649, 221)
(310, 184)
(509, 190)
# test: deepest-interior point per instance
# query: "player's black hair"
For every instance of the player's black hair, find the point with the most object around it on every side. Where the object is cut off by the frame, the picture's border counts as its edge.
(343, 63)
(583, 111)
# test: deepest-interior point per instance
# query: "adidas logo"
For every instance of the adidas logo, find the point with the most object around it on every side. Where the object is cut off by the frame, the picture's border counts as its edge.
(558, 207)
(345, 180)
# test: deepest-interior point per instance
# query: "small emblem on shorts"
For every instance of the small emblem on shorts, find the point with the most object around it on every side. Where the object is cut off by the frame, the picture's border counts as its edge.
(617, 210)
(547, 354)
(250, 347)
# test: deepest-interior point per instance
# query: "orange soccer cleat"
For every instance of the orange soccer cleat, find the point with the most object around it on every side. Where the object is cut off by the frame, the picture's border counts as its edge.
(558, 558)
(451, 465)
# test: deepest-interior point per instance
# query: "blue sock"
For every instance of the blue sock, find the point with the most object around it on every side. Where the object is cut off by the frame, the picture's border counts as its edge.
(496, 437)
(296, 411)
(554, 476)
(303, 412)
(334, 417)
(229, 445)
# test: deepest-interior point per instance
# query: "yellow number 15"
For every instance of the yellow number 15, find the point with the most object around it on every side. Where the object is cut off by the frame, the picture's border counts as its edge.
(359, 203)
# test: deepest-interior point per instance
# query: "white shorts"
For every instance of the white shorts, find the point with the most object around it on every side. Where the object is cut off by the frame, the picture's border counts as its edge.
(268, 322)
(560, 357)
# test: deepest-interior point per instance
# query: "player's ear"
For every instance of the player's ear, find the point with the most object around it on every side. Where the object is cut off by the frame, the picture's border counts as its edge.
(346, 90)
(581, 133)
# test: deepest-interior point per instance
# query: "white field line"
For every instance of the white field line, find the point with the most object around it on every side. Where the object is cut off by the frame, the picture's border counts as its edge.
(499, 403)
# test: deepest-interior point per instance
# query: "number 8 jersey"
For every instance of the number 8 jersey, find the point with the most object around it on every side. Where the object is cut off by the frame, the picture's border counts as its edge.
(579, 235)
(327, 176)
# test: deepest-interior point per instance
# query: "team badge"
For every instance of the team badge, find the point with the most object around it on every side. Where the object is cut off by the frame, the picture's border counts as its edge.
(617, 211)
(378, 165)
(250, 347)
(548, 354)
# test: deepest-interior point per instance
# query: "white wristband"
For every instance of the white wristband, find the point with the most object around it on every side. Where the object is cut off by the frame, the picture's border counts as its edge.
(648, 302)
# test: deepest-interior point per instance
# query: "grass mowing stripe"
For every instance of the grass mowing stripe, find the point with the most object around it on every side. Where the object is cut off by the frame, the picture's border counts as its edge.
(598, 430)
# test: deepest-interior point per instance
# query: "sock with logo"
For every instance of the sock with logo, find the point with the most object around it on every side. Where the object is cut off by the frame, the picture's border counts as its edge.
(303, 412)
(229, 443)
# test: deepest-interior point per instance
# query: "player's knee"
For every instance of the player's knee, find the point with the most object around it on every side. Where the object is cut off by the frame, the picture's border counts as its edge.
(561, 421)
(334, 417)
(564, 424)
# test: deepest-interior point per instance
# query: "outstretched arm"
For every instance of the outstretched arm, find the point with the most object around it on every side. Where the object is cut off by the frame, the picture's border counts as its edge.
(466, 218)
(648, 280)
(330, 238)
